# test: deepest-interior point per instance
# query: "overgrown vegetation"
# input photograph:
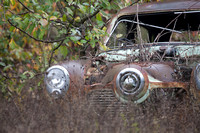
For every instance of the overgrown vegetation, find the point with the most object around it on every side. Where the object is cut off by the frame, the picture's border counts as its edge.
(39, 113)
(34, 34)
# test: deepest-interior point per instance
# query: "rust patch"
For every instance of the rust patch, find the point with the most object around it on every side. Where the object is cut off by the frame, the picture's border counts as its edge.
(162, 72)
(76, 71)
(183, 85)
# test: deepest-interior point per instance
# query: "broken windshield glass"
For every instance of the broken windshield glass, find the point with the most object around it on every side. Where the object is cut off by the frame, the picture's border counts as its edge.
(175, 26)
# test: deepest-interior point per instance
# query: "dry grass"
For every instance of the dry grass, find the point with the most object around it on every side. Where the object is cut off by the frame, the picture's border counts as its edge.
(35, 112)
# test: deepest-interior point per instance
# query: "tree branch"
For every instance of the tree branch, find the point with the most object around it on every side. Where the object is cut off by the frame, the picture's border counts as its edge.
(44, 41)
(134, 2)
(90, 16)
(25, 6)
(54, 51)
(60, 8)
(59, 21)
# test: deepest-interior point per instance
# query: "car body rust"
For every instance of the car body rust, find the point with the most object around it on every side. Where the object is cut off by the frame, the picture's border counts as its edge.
(166, 56)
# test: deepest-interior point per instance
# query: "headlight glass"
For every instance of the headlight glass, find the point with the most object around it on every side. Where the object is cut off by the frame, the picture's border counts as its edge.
(57, 81)
(130, 81)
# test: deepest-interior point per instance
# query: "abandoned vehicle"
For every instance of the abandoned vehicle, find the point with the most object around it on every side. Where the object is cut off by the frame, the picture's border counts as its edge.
(149, 46)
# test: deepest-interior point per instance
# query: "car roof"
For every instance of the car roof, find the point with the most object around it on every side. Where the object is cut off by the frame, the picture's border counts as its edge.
(165, 6)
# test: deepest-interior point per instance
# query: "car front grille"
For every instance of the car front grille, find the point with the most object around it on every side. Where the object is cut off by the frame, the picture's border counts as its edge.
(104, 101)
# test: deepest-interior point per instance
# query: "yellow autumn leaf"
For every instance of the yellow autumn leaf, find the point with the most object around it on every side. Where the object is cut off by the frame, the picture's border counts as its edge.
(77, 19)
(103, 47)
(12, 2)
(104, 28)
(12, 44)
(119, 35)
(53, 18)
(79, 43)
(36, 67)
(69, 44)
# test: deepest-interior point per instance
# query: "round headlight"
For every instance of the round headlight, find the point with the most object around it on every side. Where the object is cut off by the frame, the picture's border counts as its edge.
(131, 85)
(197, 76)
(130, 81)
(57, 81)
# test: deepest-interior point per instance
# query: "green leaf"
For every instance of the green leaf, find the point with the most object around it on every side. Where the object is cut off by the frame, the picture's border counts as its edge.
(82, 8)
(2, 64)
(25, 23)
(11, 28)
(98, 17)
(106, 15)
(23, 76)
(6, 2)
(39, 83)
(12, 2)
(75, 38)
(41, 35)
(12, 44)
(63, 50)
(100, 23)
(38, 16)
(87, 37)
(35, 33)
(105, 4)
(18, 53)
(93, 43)
(7, 67)
(35, 8)
(35, 3)
(69, 11)
(115, 6)
(64, 17)
(31, 27)
(83, 41)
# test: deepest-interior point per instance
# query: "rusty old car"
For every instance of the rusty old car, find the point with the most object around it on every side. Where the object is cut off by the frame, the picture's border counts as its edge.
(149, 46)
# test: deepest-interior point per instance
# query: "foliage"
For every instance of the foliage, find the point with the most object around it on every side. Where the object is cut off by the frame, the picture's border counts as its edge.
(35, 33)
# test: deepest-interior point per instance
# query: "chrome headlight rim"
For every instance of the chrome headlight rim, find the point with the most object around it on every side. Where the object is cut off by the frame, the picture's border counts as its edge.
(57, 92)
(197, 77)
(138, 77)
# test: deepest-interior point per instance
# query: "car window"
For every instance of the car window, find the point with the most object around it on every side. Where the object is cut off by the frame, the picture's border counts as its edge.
(155, 27)
(186, 36)
(126, 33)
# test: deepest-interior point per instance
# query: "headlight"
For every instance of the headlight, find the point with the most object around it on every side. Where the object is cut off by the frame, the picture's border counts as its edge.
(131, 86)
(57, 81)
(197, 77)
(130, 81)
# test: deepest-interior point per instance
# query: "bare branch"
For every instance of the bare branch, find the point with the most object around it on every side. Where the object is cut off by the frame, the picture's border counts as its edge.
(44, 41)
(71, 20)
(60, 8)
(90, 16)
(135, 2)
(59, 21)
(23, 13)
(25, 6)
(53, 52)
